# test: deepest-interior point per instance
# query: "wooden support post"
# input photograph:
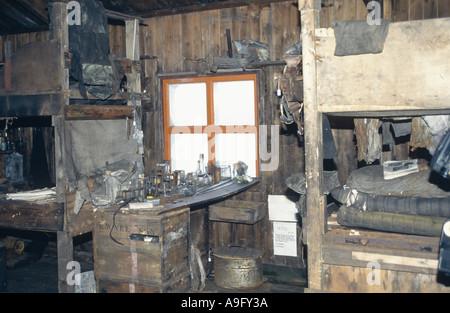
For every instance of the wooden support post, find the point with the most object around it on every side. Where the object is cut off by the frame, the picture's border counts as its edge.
(65, 255)
(64, 241)
(132, 53)
(61, 31)
(8, 54)
(60, 181)
(315, 200)
(230, 51)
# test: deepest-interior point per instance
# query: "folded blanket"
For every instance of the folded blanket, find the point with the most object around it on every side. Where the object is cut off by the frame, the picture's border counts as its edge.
(390, 222)
(405, 205)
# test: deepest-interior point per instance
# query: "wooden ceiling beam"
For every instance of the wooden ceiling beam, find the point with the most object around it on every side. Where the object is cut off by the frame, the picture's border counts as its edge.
(20, 30)
(207, 6)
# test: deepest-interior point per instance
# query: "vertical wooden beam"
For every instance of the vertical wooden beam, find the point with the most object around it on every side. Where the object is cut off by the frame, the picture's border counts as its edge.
(132, 53)
(1, 49)
(387, 10)
(64, 241)
(60, 31)
(8, 54)
(132, 39)
(177, 47)
(58, 124)
(315, 200)
(65, 255)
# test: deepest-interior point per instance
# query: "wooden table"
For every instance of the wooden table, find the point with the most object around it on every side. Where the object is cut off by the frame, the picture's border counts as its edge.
(211, 196)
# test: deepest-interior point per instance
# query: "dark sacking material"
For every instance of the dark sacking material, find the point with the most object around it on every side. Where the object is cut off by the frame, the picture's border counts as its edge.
(95, 70)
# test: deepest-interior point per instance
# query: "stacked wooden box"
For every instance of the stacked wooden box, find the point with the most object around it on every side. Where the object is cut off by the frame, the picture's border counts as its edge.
(152, 253)
(235, 221)
(234, 211)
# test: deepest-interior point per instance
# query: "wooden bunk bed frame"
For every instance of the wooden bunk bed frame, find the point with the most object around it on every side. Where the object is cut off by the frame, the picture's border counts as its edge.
(407, 79)
(37, 84)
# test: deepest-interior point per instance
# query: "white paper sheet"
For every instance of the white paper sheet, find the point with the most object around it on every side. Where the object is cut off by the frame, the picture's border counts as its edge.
(282, 208)
(285, 238)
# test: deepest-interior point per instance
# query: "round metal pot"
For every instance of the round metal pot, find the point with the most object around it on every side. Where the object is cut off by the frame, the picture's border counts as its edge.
(238, 267)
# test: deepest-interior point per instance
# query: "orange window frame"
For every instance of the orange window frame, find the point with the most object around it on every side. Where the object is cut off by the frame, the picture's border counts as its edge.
(210, 127)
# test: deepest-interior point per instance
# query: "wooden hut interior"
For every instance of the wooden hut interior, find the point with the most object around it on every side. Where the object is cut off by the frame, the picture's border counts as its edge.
(165, 142)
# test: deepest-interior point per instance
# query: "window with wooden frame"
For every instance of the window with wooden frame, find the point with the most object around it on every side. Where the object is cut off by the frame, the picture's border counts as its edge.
(211, 115)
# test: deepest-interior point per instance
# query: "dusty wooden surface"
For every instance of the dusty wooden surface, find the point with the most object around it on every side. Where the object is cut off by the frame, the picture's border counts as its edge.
(26, 215)
(29, 65)
(159, 263)
(88, 112)
(407, 75)
(315, 201)
(234, 211)
(354, 279)
(210, 197)
(370, 238)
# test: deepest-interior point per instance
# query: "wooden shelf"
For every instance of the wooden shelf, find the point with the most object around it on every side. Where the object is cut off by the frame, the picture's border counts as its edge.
(124, 96)
(21, 214)
(97, 112)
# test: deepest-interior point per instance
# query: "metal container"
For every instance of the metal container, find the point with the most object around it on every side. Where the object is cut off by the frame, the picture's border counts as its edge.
(238, 267)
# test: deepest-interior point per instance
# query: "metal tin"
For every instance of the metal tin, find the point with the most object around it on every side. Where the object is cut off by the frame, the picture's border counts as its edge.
(238, 267)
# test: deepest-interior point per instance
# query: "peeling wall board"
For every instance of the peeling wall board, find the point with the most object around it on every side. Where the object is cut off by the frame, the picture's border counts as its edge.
(282, 208)
(158, 263)
(339, 278)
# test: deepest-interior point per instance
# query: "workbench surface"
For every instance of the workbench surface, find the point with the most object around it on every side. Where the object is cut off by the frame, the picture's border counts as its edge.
(214, 195)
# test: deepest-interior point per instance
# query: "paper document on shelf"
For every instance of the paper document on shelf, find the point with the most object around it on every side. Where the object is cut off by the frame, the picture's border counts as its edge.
(394, 169)
(285, 238)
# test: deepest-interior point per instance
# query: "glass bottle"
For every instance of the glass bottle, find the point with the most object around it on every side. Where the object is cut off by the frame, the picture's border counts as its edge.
(20, 139)
(200, 165)
(119, 193)
(3, 144)
(199, 171)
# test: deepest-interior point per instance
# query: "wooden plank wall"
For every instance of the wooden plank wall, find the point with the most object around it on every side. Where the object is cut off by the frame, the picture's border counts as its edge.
(188, 42)
(21, 39)
(409, 10)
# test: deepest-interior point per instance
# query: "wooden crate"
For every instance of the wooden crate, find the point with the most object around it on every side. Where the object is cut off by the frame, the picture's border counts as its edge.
(234, 211)
(160, 263)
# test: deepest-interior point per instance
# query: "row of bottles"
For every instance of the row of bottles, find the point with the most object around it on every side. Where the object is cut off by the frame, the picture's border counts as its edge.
(7, 141)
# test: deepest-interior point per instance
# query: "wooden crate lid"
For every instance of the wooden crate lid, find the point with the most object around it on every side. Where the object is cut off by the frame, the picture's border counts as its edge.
(242, 212)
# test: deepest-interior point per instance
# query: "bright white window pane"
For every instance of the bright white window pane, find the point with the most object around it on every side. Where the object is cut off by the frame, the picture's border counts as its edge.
(234, 103)
(187, 104)
(231, 148)
(186, 150)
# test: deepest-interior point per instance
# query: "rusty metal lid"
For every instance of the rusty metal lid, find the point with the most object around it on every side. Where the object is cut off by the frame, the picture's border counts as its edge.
(236, 251)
